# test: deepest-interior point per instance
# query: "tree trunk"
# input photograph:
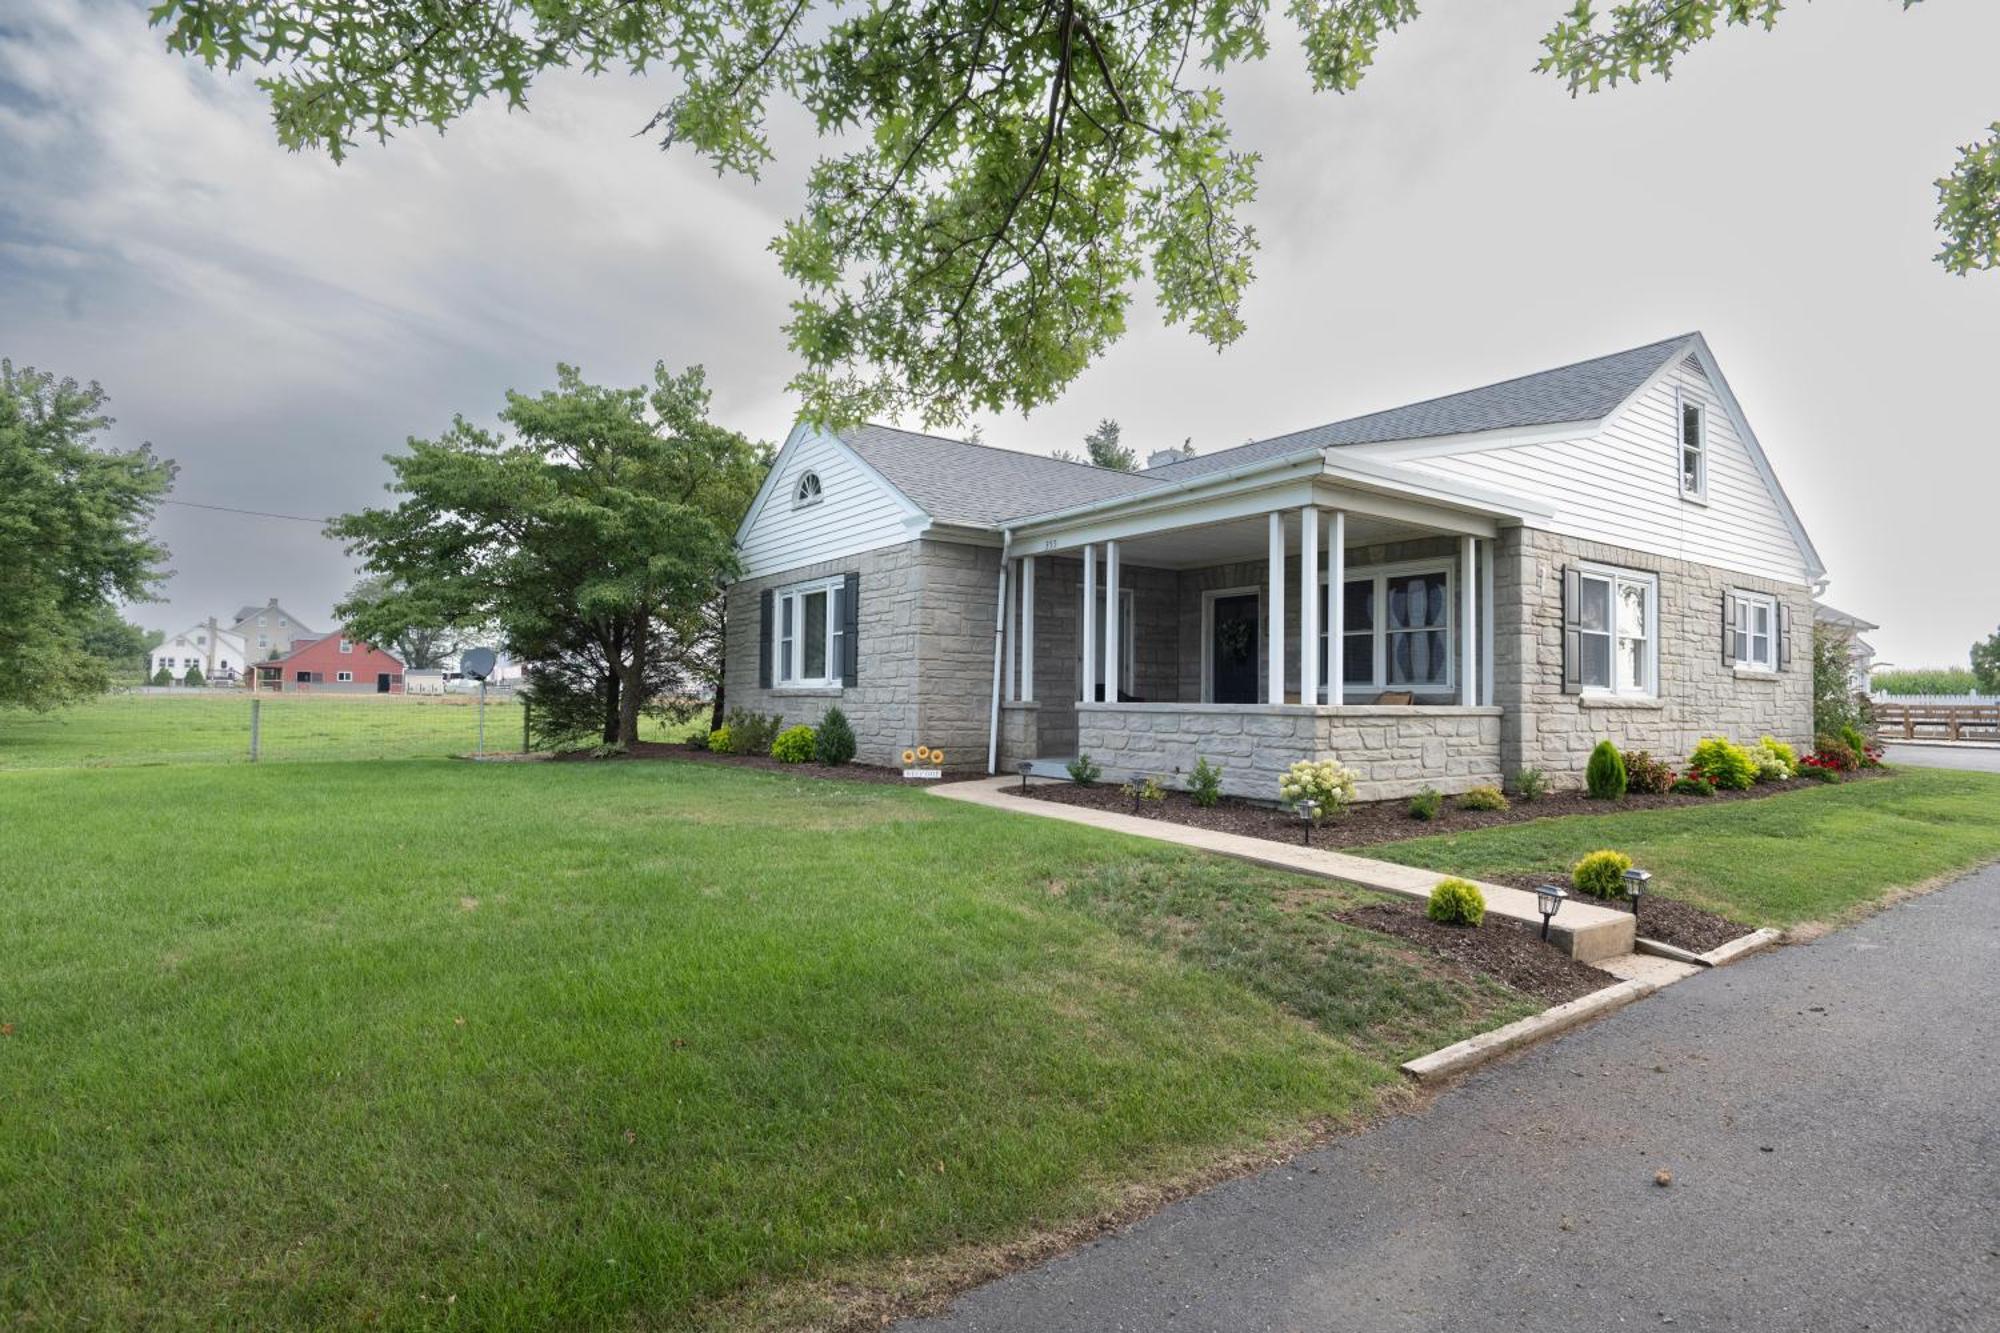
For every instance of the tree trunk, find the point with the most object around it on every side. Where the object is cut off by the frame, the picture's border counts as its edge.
(721, 638)
(634, 693)
(613, 659)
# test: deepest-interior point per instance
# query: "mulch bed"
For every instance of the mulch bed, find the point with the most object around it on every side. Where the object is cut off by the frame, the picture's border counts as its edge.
(1502, 949)
(1367, 822)
(670, 750)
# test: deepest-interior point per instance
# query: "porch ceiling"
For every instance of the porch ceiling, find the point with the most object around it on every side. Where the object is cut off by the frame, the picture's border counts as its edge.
(1246, 539)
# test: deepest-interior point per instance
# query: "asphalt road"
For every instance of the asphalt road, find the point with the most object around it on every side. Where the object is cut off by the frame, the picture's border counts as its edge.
(1985, 759)
(1830, 1115)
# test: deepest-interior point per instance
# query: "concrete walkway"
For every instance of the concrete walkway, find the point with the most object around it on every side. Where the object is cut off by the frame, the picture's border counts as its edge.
(1826, 1114)
(1590, 933)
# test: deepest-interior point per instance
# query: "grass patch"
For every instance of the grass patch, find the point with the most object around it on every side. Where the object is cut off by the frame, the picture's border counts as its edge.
(207, 728)
(1803, 856)
(646, 1045)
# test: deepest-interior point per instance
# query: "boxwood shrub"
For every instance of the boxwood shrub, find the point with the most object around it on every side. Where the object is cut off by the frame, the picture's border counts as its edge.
(1601, 874)
(1456, 902)
(1604, 777)
(794, 745)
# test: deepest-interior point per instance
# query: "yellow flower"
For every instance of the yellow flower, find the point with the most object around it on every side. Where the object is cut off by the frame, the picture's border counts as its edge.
(924, 752)
(909, 756)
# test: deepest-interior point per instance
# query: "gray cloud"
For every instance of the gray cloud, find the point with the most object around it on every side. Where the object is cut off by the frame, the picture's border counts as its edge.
(277, 323)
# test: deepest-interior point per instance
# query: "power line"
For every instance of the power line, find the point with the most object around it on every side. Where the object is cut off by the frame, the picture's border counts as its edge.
(254, 513)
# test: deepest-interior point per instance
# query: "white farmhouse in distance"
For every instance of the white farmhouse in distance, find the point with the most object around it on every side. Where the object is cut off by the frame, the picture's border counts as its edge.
(218, 652)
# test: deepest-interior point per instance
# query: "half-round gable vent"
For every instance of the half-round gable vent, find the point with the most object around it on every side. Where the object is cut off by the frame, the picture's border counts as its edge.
(807, 492)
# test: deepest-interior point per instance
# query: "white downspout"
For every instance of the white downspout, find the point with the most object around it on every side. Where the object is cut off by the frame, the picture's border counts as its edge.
(999, 641)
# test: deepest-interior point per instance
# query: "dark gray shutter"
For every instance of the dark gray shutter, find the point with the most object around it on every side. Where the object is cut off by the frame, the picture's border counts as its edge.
(764, 639)
(1784, 636)
(850, 629)
(1572, 613)
(1728, 628)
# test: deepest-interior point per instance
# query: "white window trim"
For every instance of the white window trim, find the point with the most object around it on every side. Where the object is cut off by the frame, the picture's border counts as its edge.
(1208, 599)
(787, 675)
(1381, 574)
(347, 645)
(800, 499)
(1741, 601)
(343, 677)
(1622, 689)
(1683, 400)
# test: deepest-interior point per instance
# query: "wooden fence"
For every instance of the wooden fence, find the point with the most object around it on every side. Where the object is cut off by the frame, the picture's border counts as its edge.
(1939, 722)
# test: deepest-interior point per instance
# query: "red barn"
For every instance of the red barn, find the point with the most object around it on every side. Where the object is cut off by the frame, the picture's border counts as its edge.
(333, 664)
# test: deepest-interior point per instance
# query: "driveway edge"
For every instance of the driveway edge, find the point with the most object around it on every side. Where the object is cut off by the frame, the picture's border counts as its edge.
(1476, 1051)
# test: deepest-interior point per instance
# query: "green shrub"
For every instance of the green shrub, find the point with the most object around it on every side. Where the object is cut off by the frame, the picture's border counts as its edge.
(1483, 798)
(1850, 736)
(1925, 680)
(1601, 874)
(1725, 763)
(163, 677)
(1604, 778)
(1457, 902)
(1427, 804)
(719, 740)
(1693, 784)
(1327, 783)
(1082, 772)
(1646, 775)
(1532, 784)
(794, 745)
(833, 744)
(752, 733)
(1204, 784)
(1835, 753)
(1774, 760)
(194, 676)
(1819, 773)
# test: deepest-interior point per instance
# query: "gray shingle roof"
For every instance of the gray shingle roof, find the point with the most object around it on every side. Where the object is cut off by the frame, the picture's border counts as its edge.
(977, 484)
(1581, 392)
(957, 482)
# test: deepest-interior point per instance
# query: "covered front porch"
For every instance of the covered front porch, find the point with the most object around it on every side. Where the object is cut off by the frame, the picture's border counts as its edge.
(1309, 617)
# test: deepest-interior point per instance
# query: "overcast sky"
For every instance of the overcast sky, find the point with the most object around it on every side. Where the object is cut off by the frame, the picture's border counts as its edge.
(276, 323)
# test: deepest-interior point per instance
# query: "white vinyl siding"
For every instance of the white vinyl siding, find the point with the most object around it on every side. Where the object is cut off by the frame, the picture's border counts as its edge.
(1623, 486)
(855, 511)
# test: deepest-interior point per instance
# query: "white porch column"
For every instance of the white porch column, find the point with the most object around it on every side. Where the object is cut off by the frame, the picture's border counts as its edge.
(1486, 621)
(1274, 612)
(1009, 639)
(1308, 604)
(1336, 608)
(1468, 628)
(1027, 629)
(1087, 685)
(1111, 619)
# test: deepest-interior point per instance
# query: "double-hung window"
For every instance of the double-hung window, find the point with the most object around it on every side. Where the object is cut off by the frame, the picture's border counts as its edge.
(1616, 622)
(809, 634)
(1396, 629)
(1694, 448)
(1755, 629)
(347, 645)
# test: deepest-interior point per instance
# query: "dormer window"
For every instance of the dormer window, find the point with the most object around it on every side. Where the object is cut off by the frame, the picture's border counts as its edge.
(807, 492)
(1694, 449)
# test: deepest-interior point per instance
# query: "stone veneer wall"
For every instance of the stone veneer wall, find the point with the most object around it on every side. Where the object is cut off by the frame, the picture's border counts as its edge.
(1698, 694)
(925, 651)
(1396, 750)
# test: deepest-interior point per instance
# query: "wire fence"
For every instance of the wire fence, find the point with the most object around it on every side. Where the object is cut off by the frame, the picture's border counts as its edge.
(233, 726)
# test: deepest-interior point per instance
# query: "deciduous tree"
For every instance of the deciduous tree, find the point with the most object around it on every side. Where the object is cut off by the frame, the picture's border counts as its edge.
(1986, 663)
(1010, 170)
(73, 536)
(595, 541)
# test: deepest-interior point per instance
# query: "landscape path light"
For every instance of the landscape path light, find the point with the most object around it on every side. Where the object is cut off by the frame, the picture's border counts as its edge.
(1025, 767)
(1549, 901)
(1637, 882)
(1308, 813)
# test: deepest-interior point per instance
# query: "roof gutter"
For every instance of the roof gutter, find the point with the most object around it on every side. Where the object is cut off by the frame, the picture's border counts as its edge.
(1171, 488)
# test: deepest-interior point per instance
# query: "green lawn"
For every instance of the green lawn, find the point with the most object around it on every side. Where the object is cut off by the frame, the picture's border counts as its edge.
(627, 1045)
(214, 727)
(1803, 856)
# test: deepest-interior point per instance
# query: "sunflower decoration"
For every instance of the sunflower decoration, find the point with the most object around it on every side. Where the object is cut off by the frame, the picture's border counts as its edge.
(937, 758)
(909, 757)
(925, 754)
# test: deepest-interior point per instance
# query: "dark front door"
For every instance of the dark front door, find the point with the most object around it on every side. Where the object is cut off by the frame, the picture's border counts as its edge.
(1232, 650)
(381, 682)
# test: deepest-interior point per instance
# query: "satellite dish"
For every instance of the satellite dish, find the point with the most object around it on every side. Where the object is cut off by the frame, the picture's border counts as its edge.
(477, 663)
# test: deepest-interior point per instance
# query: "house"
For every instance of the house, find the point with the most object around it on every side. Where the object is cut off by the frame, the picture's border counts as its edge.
(269, 630)
(332, 664)
(1498, 579)
(1860, 653)
(220, 653)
